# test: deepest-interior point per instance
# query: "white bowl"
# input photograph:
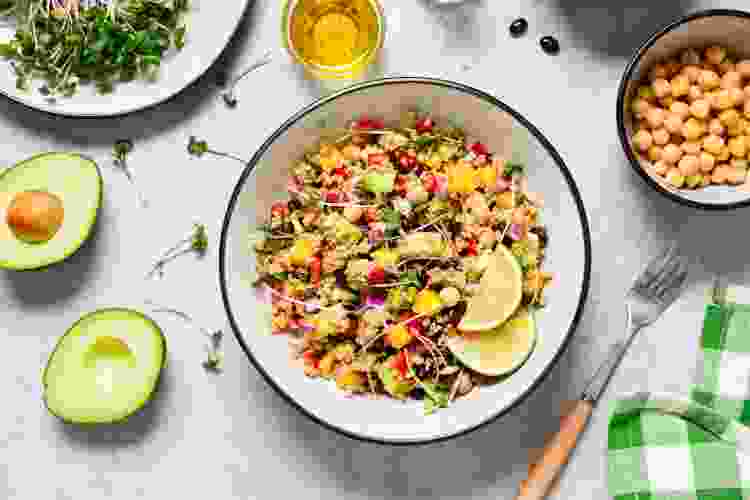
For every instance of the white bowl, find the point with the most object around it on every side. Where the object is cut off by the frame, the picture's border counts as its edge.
(728, 28)
(484, 118)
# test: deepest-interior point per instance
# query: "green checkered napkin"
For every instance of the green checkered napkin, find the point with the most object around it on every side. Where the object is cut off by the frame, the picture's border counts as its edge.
(665, 446)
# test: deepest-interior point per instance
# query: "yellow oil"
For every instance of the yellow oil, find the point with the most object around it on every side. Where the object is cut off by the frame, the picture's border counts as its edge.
(330, 34)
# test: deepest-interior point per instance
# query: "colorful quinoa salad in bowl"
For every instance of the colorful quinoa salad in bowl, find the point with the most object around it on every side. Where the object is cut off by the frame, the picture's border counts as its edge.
(385, 238)
(405, 260)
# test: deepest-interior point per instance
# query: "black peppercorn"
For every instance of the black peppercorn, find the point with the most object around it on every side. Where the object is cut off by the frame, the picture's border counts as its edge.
(550, 45)
(518, 27)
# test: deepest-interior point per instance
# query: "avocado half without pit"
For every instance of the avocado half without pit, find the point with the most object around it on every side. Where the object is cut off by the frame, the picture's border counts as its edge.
(49, 204)
(105, 368)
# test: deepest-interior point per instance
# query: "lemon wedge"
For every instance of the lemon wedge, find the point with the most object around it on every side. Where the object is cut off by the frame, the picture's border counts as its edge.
(500, 293)
(498, 351)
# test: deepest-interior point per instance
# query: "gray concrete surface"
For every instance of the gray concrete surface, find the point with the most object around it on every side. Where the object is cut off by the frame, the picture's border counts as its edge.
(230, 436)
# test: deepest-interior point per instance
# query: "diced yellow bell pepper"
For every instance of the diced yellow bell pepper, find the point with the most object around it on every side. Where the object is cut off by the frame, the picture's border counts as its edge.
(301, 251)
(462, 178)
(350, 379)
(488, 176)
(398, 336)
(427, 302)
(327, 363)
(386, 257)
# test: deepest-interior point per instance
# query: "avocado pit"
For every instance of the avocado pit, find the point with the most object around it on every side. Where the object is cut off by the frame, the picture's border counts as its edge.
(35, 216)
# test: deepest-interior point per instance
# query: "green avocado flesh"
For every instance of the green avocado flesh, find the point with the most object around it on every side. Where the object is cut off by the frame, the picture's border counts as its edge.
(72, 178)
(105, 368)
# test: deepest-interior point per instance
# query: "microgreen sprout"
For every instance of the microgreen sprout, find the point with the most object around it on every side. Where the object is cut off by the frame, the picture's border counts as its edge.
(214, 357)
(121, 150)
(197, 147)
(229, 97)
(196, 241)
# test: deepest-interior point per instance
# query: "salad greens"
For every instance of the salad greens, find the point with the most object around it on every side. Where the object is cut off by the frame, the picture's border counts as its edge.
(65, 43)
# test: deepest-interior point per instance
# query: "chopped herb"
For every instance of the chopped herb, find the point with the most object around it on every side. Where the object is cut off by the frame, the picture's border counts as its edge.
(512, 168)
(424, 140)
(410, 278)
(280, 276)
(437, 395)
(120, 152)
(523, 261)
(198, 148)
(229, 97)
(196, 241)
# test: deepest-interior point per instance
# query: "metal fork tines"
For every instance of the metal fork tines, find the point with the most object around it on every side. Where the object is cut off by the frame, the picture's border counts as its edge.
(654, 290)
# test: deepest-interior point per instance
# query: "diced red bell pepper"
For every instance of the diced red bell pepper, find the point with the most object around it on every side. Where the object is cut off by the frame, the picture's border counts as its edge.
(376, 159)
(430, 183)
(279, 209)
(342, 172)
(315, 269)
(401, 363)
(312, 358)
(369, 124)
(471, 249)
(333, 197)
(479, 149)
(371, 214)
(407, 162)
(424, 125)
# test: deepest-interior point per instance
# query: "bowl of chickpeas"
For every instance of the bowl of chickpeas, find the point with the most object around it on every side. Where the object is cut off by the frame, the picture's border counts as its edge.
(683, 110)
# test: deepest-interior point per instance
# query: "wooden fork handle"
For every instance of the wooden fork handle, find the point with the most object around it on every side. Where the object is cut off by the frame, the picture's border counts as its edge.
(542, 474)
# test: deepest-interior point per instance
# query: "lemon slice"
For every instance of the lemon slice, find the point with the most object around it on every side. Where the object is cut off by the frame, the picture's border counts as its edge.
(498, 351)
(500, 293)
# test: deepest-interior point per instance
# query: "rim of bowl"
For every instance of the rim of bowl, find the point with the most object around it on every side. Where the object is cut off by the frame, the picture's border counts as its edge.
(250, 166)
(626, 77)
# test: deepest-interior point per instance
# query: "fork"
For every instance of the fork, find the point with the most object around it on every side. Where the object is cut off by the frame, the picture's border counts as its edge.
(653, 291)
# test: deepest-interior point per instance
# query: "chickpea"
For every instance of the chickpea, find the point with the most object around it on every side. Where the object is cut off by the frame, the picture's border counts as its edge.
(662, 88)
(743, 68)
(736, 175)
(658, 72)
(675, 178)
(660, 167)
(666, 102)
(722, 100)
(680, 108)
(729, 117)
(737, 96)
(673, 123)
(693, 129)
(715, 55)
(731, 80)
(655, 117)
(671, 154)
(660, 136)
(706, 161)
(692, 72)
(673, 66)
(695, 92)
(723, 154)
(737, 146)
(713, 144)
(705, 180)
(715, 127)
(680, 85)
(708, 79)
(726, 66)
(646, 93)
(654, 153)
(640, 107)
(690, 57)
(691, 147)
(700, 108)
(688, 165)
(746, 110)
(720, 174)
(746, 91)
(736, 130)
(642, 140)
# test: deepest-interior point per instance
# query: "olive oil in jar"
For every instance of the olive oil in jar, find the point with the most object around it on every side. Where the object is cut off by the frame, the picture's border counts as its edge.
(334, 38)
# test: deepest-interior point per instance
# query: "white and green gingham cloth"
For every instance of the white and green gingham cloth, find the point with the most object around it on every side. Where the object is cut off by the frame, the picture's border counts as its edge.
(663, 446)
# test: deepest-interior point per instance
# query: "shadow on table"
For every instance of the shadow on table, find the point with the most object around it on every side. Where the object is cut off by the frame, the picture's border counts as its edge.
(618, 28)
(713, 240)
(132, 431)
(104, 131)
(449, 469)
(59, 282)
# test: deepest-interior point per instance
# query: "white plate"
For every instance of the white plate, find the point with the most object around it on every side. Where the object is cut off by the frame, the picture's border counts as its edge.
(209, 31)
(485, 119)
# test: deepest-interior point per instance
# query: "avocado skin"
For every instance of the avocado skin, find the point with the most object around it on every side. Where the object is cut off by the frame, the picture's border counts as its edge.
(95, 223)
(157, 385)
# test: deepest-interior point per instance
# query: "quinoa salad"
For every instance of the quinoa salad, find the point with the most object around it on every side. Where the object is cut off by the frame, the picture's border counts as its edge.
(384, 239)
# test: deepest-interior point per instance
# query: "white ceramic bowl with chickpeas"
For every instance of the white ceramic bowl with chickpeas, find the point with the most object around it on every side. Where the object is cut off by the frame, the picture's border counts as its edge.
(683, 110)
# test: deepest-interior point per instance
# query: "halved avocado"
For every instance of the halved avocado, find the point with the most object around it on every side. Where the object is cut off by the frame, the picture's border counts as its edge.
(48, 208)
(105, 368)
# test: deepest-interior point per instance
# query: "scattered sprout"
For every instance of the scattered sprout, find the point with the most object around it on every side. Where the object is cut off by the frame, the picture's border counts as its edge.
(229, 97)
(121, 150)
(197, 147)
(196, 241)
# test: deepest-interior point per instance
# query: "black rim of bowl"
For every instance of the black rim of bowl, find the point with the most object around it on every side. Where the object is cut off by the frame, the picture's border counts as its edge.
(391, 81)
(625, 140)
